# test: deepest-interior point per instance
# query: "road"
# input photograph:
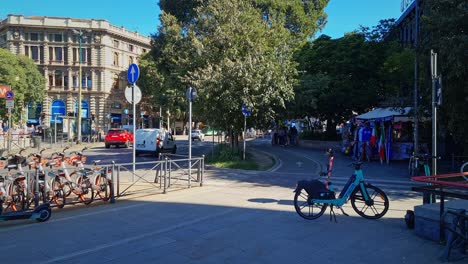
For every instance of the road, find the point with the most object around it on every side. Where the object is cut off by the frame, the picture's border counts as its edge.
(237, 217)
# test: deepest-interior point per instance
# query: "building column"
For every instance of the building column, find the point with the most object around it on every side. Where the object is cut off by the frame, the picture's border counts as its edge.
(70, 78)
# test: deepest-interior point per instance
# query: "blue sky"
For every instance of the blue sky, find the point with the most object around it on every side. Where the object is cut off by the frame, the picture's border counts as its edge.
(142, 15)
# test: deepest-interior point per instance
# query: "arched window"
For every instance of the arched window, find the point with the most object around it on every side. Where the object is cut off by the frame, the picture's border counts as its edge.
(58, 108)
(116, 59)
(84, 109)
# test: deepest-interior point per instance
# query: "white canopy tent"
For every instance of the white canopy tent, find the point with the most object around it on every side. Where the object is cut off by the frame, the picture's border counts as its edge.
(387, 114)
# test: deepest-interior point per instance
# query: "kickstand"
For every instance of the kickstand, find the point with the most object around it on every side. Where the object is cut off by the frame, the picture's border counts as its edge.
(343, 212)
(332, 214)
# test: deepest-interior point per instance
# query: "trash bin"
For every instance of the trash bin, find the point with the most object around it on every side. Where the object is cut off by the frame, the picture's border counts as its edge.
(37, 141)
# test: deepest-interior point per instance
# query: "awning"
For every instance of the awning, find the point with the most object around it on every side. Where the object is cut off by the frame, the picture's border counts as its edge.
(387, 114)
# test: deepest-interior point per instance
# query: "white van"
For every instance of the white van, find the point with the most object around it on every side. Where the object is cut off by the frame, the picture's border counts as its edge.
(154, 141)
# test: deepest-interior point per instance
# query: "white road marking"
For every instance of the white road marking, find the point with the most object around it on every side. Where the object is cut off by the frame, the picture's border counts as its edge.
(138, 237)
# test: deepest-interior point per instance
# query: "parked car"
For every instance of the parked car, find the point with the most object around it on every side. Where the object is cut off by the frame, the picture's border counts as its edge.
(154, 141)
(118, 137)
(212, 132)
(198, 134)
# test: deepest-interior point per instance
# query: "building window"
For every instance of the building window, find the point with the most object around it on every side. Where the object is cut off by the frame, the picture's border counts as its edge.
(85, 55)
(89, 82)
(33, 36)
(116, 59)
(58, 79)
(51, 80)
(75, 81)
(130, 47)
(56, 54)
(34, 53)
(3, 38)
(116, 44)
(88, 55)
(115, 84)
(144, 50)
(57, 37)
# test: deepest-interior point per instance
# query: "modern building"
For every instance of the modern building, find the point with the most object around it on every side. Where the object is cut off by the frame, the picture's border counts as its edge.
(406, 29)
(54, 44)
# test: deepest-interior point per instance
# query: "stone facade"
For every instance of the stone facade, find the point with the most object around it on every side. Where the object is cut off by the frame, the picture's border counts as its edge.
(53, 43)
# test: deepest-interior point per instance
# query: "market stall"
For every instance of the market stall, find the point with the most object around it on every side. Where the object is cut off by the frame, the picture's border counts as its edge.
(392, 130)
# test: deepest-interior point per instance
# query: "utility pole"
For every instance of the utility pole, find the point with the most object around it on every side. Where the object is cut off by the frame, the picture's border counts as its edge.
(435, 101)
(416, 77)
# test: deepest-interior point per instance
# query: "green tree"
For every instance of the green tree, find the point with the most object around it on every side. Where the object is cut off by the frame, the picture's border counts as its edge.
(352, 74)
(26, 81)
(232, 54)
(445, 26)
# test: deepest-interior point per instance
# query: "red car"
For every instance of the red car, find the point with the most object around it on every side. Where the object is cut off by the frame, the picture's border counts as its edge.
(118, 137)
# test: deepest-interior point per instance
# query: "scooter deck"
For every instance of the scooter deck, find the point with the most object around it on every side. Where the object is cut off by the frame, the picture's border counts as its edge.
(21, 215)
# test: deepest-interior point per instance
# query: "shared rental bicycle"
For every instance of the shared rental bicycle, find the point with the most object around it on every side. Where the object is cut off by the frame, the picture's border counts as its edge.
(312, 197)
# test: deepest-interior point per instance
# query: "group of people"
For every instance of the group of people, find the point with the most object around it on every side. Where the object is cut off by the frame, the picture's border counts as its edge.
(17, 130)
(284, 135)
(358, 141)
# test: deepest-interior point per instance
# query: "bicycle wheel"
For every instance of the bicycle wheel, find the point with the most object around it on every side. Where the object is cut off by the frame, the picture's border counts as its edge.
(87, 192)
(373, 208)
(306, 208)
(58, 194)
(104, 187)
(464, 168)
(18, 199)
(31, 197)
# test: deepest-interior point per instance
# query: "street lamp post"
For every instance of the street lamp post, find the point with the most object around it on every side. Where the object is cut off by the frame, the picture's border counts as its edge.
(80, 37)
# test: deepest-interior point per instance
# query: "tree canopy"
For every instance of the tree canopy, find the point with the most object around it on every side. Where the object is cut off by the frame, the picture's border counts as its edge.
(349, 74)
(445, 27)
(22, 75)
(232, 52)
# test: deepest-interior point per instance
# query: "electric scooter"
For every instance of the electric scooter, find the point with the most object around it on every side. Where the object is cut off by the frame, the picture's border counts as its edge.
(41, 212)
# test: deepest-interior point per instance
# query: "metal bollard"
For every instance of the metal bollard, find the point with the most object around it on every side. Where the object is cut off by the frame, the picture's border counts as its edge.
(202, 170)
(112, 194)
(165, 176)
(118, 180)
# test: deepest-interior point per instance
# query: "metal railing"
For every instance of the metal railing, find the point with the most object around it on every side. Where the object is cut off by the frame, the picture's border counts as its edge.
(170, 172)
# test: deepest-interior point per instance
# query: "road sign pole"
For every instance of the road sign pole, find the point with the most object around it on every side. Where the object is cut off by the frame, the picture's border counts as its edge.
(55, 128)
(190, 138)
(243, 136)
(134, 130)
(9, 130)
(132, 76)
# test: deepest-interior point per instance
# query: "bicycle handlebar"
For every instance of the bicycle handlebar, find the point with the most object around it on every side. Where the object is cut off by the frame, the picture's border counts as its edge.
(425, 156)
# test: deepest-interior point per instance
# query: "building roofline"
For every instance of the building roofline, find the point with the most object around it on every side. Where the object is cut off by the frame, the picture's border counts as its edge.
(93, 24)
(408, 11)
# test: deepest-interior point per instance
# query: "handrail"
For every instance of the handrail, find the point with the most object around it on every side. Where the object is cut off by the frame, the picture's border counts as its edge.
(434, 179)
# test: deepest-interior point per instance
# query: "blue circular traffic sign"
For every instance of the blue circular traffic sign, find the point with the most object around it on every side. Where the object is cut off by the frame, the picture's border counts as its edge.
(9, 95)
(133, 73)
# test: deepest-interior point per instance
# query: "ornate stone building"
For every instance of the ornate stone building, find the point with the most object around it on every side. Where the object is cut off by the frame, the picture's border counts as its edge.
(53, 43)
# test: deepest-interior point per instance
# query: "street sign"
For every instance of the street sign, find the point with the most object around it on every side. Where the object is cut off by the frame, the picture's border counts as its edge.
(10, 104)
(128, 94)
(9, 95)
(133, 73)
(3, 90)
(191, 96)
(245, 111)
